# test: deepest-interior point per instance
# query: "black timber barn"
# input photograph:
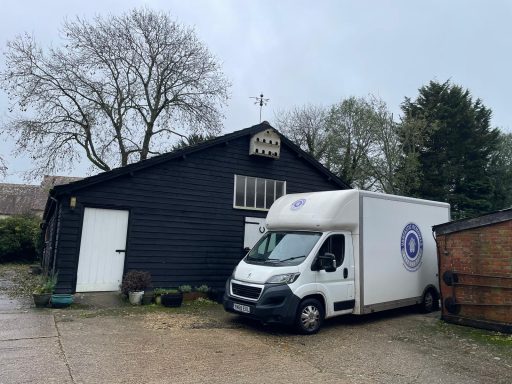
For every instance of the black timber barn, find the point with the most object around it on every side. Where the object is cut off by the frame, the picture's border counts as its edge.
(185, 216)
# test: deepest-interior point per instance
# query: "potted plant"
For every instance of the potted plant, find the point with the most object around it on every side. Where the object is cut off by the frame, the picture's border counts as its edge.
(43, 291)
(134, 283)
(158, 292)
(171, 298)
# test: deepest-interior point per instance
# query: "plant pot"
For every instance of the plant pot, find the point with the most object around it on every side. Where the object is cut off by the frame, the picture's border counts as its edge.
(148, 297)
(190, 296)
(158, 299)
(41, 300)
(135, 297)
(172, 299)
(61, 300)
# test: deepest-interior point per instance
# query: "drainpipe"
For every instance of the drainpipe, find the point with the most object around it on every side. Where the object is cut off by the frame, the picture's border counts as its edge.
(55, 237)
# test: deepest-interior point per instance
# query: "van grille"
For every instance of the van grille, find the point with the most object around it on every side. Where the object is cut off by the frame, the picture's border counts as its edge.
(246, 291)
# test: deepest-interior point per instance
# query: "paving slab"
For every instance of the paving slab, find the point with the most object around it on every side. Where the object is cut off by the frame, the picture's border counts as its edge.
(33, 361)
(9, 304)
(26, 325)
(99, 300)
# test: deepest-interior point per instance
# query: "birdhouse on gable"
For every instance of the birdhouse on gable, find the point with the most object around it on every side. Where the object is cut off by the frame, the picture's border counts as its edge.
(265, 143)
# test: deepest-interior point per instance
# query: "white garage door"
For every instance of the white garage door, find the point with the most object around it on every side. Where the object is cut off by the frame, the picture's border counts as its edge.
(102, 250)
(254, 229)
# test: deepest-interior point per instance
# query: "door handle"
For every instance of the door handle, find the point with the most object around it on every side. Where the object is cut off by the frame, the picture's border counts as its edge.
(345, 273)
(120, 250)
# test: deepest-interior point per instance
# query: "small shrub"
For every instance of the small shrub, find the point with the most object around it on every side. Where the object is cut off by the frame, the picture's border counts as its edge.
(46, 284)
(203, 289)
(185, 288)
(19, 238)
(135, 281)
(163, 291)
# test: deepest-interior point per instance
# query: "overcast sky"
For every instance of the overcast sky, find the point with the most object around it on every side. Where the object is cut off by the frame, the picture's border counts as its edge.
(299, 52)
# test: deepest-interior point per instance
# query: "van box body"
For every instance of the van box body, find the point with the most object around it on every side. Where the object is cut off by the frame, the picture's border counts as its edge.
(389, 254)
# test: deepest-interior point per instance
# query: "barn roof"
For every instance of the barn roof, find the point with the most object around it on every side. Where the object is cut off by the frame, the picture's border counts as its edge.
(181, 153)
(20, 199)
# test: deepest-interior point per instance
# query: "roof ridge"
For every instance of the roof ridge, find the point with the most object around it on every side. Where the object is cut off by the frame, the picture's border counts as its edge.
(182, 152)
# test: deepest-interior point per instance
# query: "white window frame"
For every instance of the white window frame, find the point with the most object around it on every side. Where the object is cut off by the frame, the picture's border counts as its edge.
(255, 192)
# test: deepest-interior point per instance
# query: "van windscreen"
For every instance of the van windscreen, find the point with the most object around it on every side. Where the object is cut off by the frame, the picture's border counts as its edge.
(283, 248)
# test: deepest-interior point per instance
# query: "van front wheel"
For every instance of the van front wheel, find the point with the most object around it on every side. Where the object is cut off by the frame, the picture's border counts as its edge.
(310, 316)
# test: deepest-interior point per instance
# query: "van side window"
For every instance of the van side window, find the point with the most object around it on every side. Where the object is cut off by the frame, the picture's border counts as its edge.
(334, 244)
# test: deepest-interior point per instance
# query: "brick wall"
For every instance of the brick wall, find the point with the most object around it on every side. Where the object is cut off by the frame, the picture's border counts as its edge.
(482, 259)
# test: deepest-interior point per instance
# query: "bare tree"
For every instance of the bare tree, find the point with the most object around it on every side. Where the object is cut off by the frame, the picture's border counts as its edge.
(118, 90)
(307, 127)
(386, 156)
(357, 139)
(3, 167)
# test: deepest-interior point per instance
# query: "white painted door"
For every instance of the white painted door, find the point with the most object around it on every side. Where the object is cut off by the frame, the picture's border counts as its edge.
(254, 229)
(102, 250)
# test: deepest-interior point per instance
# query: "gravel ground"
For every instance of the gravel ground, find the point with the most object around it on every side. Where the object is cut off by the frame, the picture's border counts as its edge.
(212, 346)
(199, 342)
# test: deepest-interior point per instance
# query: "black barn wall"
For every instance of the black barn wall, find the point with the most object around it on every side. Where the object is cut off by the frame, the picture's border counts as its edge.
(182, 225)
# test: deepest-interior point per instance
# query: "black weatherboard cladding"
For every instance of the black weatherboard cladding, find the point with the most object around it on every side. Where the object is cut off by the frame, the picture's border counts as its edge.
(182, 227)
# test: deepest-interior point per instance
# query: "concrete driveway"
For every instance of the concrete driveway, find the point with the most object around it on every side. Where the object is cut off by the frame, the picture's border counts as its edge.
(205, 345)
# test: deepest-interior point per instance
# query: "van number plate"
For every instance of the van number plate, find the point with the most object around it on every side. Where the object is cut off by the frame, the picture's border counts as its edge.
(241, 308)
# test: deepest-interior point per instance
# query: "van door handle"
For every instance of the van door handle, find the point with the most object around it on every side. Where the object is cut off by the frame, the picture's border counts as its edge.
(345, 273)
(120, 250)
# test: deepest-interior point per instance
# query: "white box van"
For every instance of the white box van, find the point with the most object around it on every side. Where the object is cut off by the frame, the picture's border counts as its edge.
(338, 252)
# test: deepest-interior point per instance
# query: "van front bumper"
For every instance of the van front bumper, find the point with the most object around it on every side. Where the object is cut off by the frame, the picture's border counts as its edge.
(276, 304)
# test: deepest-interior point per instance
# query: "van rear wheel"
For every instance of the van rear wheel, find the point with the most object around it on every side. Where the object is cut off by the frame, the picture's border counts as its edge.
(310, 316)
(429, 302)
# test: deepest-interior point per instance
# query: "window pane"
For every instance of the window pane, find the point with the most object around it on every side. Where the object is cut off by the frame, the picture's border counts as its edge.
(239, 191)
(335, 245)
(270, 193)
(279, 189)
(250, 192)
(260, 193)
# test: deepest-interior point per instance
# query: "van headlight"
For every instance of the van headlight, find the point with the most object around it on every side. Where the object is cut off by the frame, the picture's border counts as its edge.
(285, 278)
(234, 271)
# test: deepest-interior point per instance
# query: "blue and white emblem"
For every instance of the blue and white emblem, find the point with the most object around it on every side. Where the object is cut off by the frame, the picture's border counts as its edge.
(411, 246)
(297, 204)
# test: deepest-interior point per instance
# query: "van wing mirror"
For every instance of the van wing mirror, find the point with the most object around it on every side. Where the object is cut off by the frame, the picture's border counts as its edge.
(328, 262)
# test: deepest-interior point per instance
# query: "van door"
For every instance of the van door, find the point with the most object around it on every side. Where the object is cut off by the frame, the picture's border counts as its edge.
(337, 286)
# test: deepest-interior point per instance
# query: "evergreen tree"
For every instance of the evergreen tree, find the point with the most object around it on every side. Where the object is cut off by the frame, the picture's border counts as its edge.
(501, 173)
(456, 149)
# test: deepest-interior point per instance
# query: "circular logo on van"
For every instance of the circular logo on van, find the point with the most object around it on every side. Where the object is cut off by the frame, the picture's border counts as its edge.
(411, 245)
(297, 204)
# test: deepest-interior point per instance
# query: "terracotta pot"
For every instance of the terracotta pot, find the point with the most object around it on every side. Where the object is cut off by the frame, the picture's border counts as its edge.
(190, 296)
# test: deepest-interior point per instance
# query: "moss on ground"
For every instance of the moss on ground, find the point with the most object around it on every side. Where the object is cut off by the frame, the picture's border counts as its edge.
(498, 340)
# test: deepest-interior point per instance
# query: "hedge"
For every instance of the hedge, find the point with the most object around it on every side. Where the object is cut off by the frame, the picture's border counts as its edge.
(19, 238)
